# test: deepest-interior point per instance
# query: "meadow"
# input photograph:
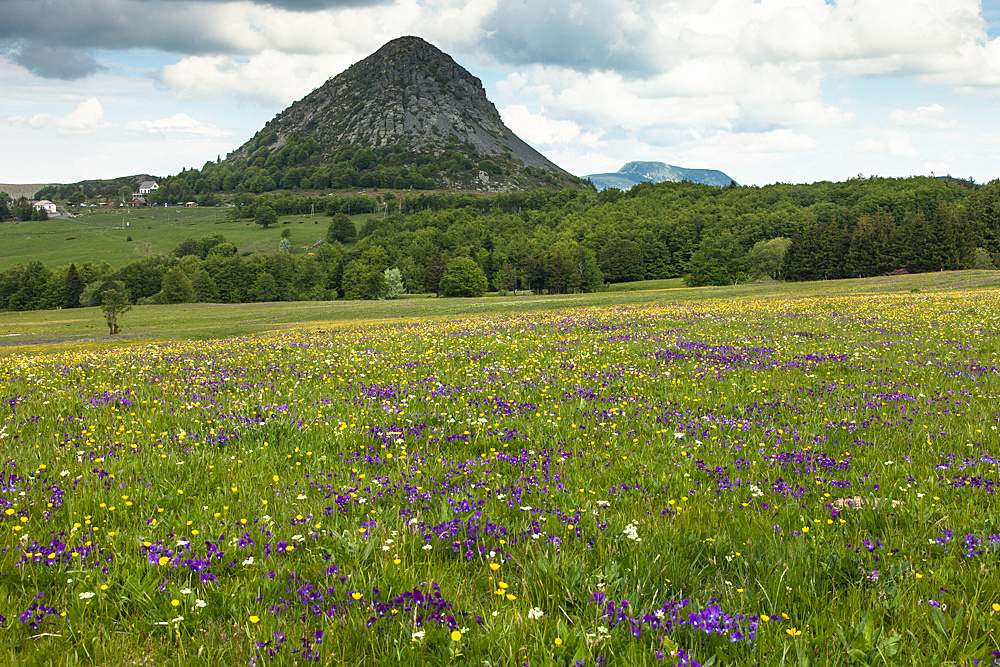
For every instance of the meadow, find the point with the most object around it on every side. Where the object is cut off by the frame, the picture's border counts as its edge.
(102, 235)
(764, 475)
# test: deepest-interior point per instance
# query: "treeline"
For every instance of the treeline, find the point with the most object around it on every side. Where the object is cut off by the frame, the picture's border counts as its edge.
(212, 270)
(299, 164)
(564, 241)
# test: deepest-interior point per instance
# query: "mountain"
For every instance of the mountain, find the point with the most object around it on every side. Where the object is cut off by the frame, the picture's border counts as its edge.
(408, 94)
(657, 172)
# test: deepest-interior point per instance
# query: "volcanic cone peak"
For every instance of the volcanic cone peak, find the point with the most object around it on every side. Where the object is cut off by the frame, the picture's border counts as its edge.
(408, 93)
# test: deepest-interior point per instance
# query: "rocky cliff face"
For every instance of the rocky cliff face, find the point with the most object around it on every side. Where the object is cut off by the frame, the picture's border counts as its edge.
(407, 93)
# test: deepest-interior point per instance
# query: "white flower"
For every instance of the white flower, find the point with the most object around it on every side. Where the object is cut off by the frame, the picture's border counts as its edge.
(248, 561)
(201, 604)
(86, 595)
(535, 613)
(186, 591)
(427, 547)
(417, 636)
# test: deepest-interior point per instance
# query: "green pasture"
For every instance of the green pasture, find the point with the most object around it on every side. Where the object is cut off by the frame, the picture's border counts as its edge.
(102, 235)
(757, 475)
(198, 321)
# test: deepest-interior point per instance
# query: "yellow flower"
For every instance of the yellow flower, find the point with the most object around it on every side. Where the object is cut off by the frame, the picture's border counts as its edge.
(765, 618)
(558, 641)
(175, 603)
(356, 595)
(792, 632)
(274, 479)
(456, 636)
(254, 619)
(919, 576)
(396, 561)
(163, 561)
(511, 597)
(494, 566)
(805, 529)
(503, 584)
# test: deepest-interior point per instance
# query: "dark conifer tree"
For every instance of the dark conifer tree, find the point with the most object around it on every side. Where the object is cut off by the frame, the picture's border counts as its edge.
(72, 288)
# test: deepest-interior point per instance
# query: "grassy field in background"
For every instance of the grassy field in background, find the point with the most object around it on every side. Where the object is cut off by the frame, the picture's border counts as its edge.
(101, 235)
(36, 329)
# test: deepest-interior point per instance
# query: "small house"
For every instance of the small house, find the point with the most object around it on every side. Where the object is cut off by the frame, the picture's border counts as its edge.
(45, 205)
(148, 187)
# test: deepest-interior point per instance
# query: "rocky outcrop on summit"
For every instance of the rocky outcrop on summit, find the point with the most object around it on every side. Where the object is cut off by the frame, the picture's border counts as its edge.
(407, 93)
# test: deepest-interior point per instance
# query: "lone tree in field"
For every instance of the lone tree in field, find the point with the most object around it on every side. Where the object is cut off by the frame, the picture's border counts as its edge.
(114, 305)
(265, 216)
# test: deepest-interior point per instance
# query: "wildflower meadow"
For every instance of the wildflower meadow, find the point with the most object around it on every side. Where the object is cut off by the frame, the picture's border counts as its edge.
(781, 481)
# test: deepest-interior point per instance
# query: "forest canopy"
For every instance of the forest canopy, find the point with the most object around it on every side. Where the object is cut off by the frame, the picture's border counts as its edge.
(559, 241)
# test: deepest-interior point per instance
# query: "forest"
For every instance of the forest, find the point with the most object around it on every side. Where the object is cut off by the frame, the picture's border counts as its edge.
(557, 241)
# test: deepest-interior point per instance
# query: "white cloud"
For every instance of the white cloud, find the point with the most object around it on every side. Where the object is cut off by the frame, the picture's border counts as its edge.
(178, 123)
(930, 117)
(269, 77)
(87, 118)
(536, 128)
(891, 142)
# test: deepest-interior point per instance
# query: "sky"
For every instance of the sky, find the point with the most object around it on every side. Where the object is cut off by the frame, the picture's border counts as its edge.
(791, 91)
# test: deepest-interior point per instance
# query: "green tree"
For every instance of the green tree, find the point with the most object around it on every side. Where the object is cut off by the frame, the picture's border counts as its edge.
(72, 288)
(205, 289)
(621, 261)
(434, 273)
(394, 288)
(125, 194)
(265, 288)
(177, 287)
(265, 216)
(463, 277)
(718, 261)
(764, 259)
(363, 281)
(114, 305)
(341, 228)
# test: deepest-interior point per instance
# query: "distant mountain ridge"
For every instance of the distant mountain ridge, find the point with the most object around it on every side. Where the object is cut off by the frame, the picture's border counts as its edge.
(657, 172)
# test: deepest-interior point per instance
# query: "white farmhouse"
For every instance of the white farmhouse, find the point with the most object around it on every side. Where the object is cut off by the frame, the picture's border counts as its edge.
(148, 187)
(45, 205)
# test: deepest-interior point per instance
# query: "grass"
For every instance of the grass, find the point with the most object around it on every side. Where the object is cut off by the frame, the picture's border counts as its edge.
(101, 235)
(750, 475)
(37, 329)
